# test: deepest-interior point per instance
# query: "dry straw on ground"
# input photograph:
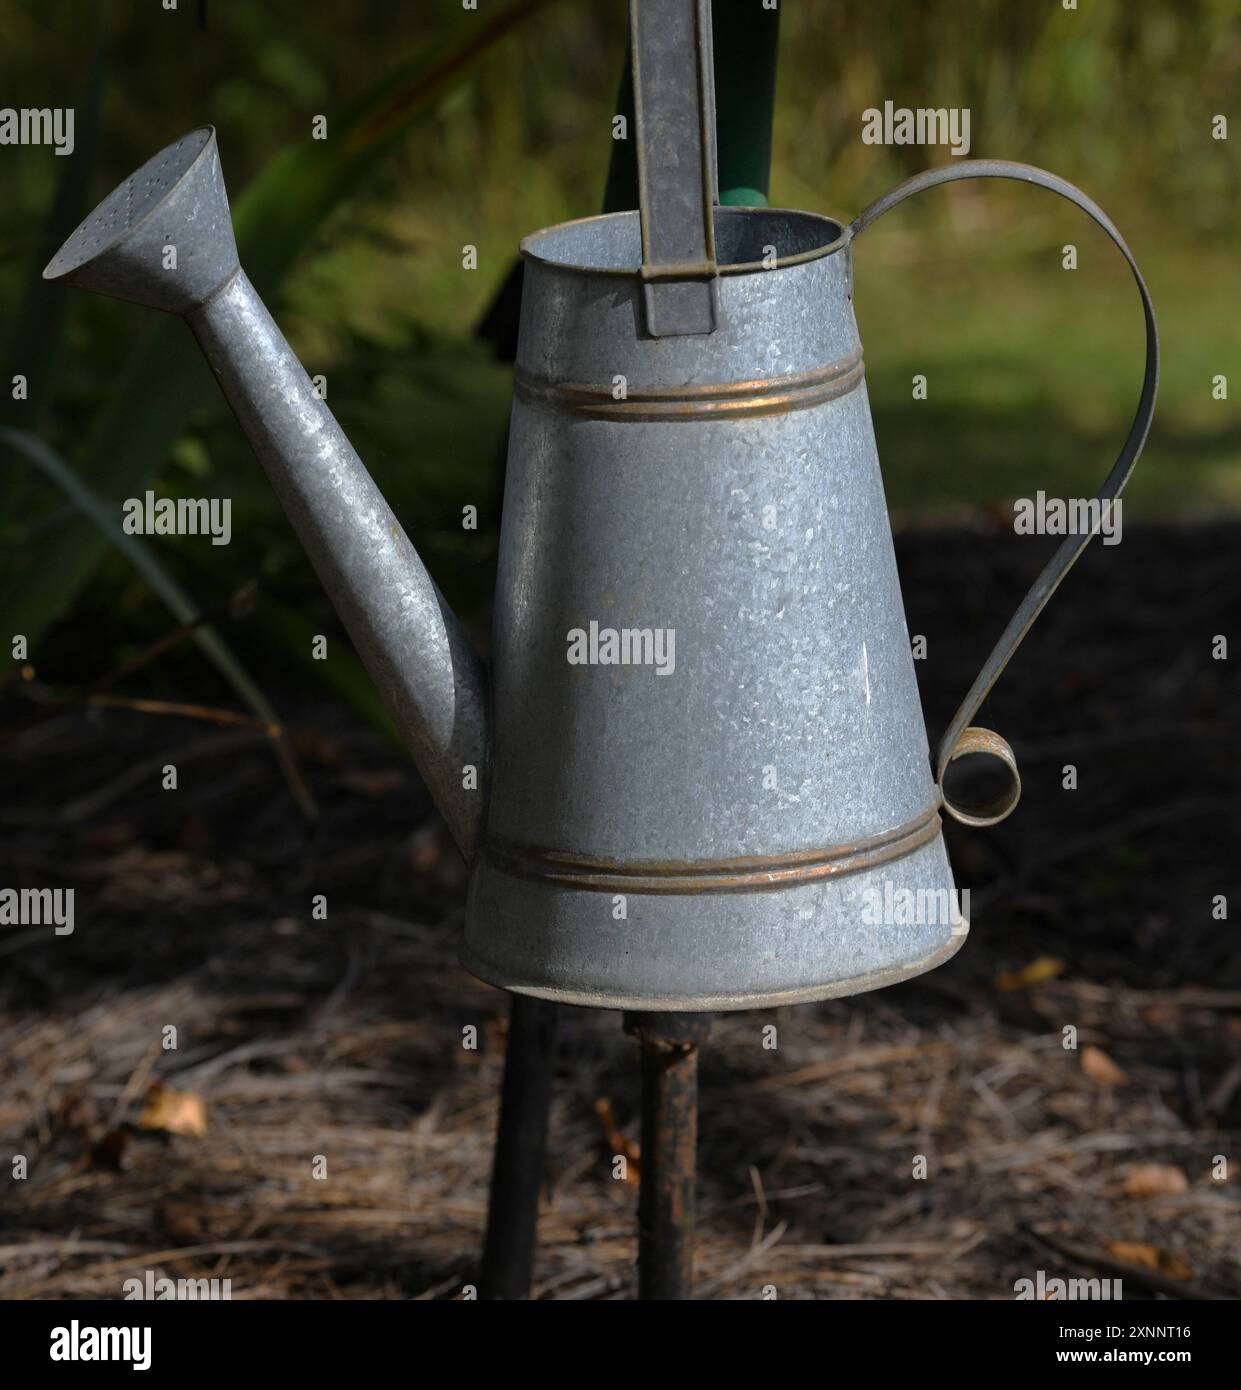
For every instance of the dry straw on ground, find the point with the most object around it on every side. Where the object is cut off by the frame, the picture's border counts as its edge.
(335, 1046)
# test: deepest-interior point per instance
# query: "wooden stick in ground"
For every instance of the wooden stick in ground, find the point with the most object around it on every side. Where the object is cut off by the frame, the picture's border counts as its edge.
(669, 1150)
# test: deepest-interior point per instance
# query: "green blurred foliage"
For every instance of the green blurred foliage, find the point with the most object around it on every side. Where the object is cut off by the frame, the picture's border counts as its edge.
(1033, 370)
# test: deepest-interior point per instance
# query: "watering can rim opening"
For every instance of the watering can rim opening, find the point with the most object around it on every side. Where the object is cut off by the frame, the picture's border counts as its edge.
(61, 266)
(836, 232)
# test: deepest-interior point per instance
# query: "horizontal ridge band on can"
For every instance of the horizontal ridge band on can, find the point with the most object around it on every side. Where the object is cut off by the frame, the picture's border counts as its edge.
(773, 395)
(749, 873)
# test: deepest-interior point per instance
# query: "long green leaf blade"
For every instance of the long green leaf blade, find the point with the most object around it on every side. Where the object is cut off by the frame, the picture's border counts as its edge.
(164, 383)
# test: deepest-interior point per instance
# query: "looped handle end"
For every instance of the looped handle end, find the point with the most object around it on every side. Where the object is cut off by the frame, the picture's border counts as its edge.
(962, 737)
(984, 741)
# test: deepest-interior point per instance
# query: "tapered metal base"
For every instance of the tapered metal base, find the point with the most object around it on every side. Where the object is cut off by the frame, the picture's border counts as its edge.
(748, 949)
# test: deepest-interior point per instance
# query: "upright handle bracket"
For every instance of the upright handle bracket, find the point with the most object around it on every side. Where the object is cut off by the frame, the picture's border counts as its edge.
(674, 116)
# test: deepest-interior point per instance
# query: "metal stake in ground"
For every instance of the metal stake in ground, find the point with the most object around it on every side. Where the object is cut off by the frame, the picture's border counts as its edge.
(669, 1149)
(521, 1142)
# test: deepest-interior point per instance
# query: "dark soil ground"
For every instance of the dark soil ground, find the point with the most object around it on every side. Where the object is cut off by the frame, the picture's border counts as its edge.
(342, 1037)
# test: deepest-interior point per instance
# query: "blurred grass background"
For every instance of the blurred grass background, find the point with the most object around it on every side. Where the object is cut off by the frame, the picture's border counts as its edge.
(449, 127)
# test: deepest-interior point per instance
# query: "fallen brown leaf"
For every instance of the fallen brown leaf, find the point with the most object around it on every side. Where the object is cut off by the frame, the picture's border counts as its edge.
(1037, 972)
(1100, 1068)
(1138, 1252)
(1155, 1180)
(617, 1141)
(1134, 1252)
(175, 1112)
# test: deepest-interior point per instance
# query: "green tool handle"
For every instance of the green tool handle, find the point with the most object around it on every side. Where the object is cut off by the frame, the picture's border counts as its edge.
(745, 38)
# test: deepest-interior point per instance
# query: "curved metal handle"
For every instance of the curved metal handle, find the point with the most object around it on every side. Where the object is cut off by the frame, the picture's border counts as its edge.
(961, 737)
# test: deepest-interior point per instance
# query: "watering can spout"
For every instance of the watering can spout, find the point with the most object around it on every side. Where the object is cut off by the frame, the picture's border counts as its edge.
(164, 238)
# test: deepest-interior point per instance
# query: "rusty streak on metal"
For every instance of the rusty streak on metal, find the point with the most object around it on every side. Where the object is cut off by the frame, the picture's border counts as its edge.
(748, 873)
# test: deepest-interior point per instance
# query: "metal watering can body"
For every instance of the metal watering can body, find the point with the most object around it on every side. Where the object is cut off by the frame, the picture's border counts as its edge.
(699, 778)
(710, 785)
(710, 781)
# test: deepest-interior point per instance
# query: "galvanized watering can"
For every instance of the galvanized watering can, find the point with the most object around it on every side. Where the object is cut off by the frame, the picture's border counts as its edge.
(697, 776)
